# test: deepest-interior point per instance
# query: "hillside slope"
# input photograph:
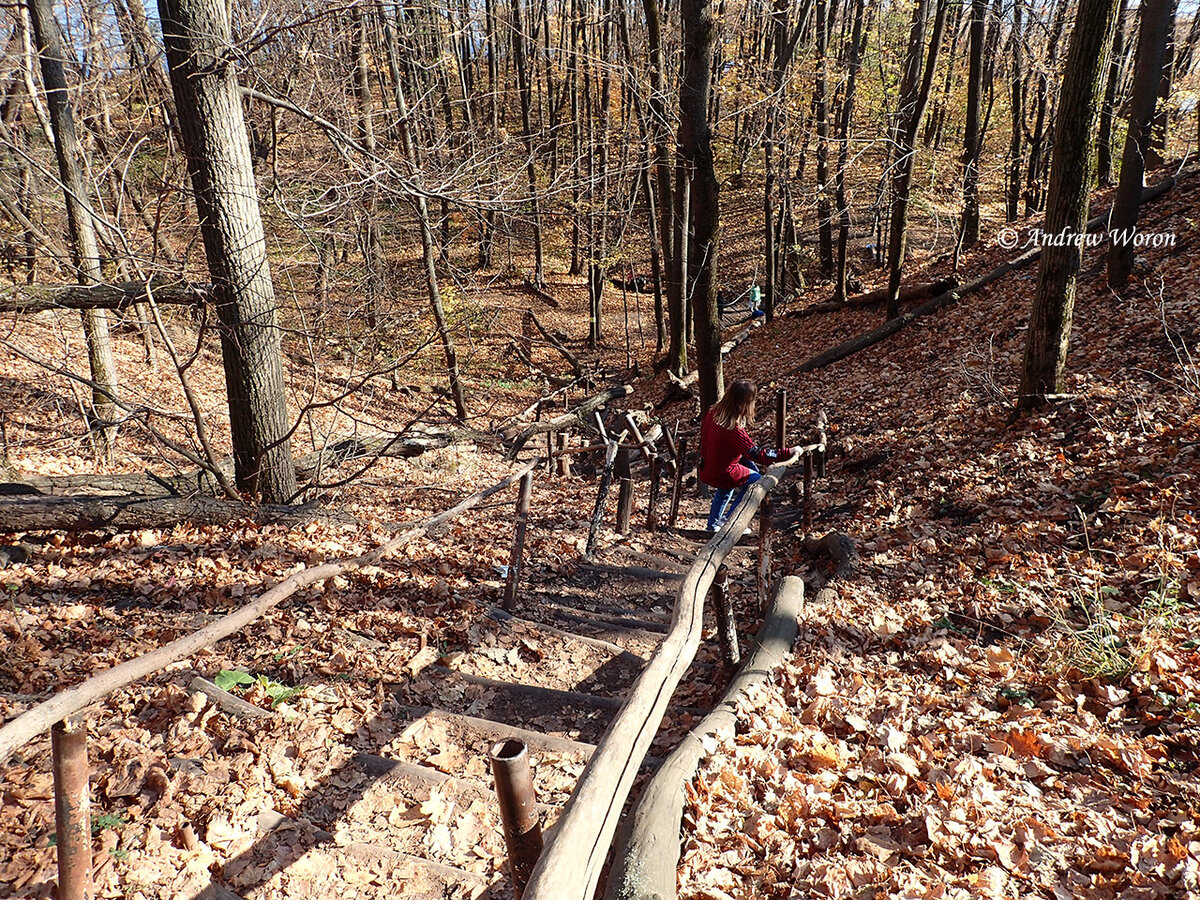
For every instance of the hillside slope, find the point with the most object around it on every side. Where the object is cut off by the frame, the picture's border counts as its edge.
(1005, 701)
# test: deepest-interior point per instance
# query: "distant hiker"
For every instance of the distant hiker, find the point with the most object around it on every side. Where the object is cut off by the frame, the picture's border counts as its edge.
(729, 458)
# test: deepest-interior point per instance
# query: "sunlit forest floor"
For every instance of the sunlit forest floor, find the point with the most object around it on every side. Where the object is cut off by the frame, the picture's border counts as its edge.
(1003, 702)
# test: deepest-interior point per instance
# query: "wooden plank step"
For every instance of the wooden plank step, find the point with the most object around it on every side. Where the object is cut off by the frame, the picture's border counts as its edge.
(641, 573)
(507, 618)
(585, 604)
(532, 693)
(654, 563)
(386, 767)
(652, 630)
(491, 730)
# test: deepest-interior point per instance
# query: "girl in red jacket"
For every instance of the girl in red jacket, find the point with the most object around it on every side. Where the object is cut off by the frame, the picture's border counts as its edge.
(729, 458)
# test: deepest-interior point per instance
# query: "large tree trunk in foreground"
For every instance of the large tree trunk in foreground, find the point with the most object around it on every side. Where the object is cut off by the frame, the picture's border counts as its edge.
(1067, 204)
(1151, 50)
(197, 37)
(695, 138)
(84, 249)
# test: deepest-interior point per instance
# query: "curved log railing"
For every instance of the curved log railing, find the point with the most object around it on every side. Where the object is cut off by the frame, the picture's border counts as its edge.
(647, 857)
(42, 717)
(571, 863)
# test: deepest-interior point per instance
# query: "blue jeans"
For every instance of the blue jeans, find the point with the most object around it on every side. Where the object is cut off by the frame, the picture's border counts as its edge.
(721, 505)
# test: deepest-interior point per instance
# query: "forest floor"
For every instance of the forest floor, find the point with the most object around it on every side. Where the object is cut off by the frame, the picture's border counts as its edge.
(1003, 702)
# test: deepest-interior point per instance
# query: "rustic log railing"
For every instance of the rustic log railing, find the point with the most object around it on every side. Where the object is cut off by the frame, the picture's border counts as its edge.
(70, 734)
(570, 865)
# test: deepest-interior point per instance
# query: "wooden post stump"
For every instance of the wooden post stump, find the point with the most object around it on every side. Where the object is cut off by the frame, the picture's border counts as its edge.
(765, 534)
(677, 486)
(624, 505)
(652, 501)
(731, 650)
(781, 418)
(72, 819)
(512, 584)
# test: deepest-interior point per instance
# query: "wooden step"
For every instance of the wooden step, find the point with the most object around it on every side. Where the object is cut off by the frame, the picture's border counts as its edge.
(653, 629)
(496, 731)
(533, 693)
(618, 652)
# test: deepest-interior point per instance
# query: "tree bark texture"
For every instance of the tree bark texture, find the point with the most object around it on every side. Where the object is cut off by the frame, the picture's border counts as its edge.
(1067, 202)
(197, 37)
(695, 138)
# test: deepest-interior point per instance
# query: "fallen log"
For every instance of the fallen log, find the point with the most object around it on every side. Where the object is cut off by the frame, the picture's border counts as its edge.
(892, 326)
(38, 298)
(37, 720)
(142, 486)
(878, 297)
(573, 418)
(726, 348)
(129, 513)
(571, 358)
(571, 862)
(646, 858)
(542, 294)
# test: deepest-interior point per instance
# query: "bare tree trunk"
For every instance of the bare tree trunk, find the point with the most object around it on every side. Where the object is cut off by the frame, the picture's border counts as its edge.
(526, 95)
(197, 36)
(1157, 148)
(368, 227)
(695, 138)
(845, 122)
(428, 250)
(821, 113)
(84, 248)
(1012, 196)
(1104, 143)
(968, 233)
(659, 130)
(1153, 35)
(914, 97)
(1049, 332)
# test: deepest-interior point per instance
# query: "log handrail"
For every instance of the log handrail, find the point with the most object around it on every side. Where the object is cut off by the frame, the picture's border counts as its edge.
(647, 856)
(33, 722)
(570, 865)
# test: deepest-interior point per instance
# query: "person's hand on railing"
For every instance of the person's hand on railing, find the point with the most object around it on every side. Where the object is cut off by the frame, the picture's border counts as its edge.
(791, 454)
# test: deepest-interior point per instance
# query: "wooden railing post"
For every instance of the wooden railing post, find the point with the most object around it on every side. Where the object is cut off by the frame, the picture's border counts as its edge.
(808, 481)
(677, 486)
(564, 461)
(765, 534)
(781, 418)
(731, 650)
(606, 476)
(512, 584)
(72, 817)
(652, 500)
(624, 505)
(518, 810)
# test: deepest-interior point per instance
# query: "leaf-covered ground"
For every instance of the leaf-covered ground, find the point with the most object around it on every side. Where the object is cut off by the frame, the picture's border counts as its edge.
(1005, 702)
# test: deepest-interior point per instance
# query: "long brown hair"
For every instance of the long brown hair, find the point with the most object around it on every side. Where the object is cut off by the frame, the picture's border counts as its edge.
(735, 409)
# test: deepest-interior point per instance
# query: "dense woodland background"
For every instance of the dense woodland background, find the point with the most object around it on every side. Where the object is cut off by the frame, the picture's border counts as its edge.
(425, 225)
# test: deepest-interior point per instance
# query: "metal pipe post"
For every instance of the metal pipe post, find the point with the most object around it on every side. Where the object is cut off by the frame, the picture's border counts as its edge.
(518, 810)
(72, 818)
